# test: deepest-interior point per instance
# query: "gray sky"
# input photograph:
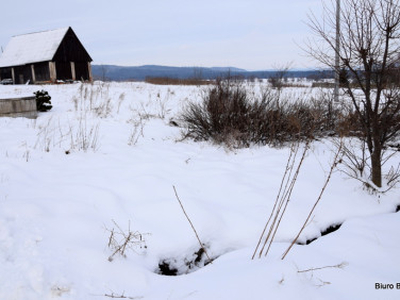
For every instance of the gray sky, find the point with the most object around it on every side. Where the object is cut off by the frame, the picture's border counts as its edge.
(249, 34)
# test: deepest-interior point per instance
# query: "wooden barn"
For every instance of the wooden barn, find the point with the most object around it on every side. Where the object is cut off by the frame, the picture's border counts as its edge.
(47, 56)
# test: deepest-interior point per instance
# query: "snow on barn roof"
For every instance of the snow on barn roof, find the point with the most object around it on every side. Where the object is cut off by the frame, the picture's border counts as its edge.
(32, 47)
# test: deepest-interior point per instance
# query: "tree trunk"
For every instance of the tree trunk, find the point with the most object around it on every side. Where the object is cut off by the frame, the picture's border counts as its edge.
(376, 164)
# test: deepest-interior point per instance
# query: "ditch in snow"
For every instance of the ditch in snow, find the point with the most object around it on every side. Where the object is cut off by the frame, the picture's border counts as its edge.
(328, 230)
(186, 265)
(197, 260)
(331, 229)
(194, 262)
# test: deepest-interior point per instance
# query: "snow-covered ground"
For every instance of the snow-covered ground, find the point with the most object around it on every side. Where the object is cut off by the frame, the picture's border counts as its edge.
(104, 161)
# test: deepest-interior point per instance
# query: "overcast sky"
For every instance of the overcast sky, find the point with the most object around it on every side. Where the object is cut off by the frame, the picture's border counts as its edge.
(249, 34)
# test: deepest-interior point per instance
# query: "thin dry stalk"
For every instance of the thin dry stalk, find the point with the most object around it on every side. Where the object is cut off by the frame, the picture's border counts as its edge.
(288, 169)
(285, 201)
(191, 224)
(333, 166)
(122, 296)
(282, 200)
(339, 266)
(121, 98)
(136, 132)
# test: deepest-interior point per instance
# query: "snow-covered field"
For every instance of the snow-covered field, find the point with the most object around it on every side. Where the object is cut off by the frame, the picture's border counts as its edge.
(104, 161)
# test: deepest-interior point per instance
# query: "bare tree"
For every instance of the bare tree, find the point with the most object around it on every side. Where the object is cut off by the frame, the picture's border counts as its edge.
(369, 52)
(279, 77)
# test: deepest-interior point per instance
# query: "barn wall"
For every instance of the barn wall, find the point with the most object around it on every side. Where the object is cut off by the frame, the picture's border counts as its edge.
(5, 73)
(81, 71)
(22, 74)
(42, 72)
(71, 50)
(63, 70)
(38, 72)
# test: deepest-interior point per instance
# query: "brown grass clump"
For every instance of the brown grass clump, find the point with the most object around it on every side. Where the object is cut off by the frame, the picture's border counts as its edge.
(228, 114)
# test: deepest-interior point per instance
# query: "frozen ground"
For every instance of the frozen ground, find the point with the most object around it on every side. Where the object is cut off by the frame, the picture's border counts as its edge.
(105, 159)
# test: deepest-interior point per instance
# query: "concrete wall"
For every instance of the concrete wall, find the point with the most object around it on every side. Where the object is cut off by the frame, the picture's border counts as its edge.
(18, 107)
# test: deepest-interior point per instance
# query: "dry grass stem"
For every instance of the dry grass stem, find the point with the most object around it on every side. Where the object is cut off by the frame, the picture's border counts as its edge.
(191, 224)
(339, 266)
(333, 166)
(282, 200)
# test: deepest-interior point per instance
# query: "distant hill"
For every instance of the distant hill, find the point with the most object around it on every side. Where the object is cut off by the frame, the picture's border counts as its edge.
(120, 73)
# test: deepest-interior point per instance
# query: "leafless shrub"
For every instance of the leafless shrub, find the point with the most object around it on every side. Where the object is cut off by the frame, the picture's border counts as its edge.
(103, 108)
(279, 78)
(120, 241)
(392, 177)
(45, 136)
(355, 159)
(96, 99)
(162, 104)
(136, 132)
(229, 114)
(85, 137)
(355, 163)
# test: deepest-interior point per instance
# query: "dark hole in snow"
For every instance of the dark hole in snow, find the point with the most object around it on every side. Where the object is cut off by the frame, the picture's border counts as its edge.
(173, 123)
(174, 266)
(329, 230)
(308, 242)
(165, 268)
(398, 208)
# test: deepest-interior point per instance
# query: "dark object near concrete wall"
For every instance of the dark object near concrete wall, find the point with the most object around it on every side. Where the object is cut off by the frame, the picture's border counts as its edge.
(43, 102)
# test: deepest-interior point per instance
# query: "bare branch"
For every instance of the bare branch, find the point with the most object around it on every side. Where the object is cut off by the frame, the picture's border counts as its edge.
(339, 266)
(191, 224)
